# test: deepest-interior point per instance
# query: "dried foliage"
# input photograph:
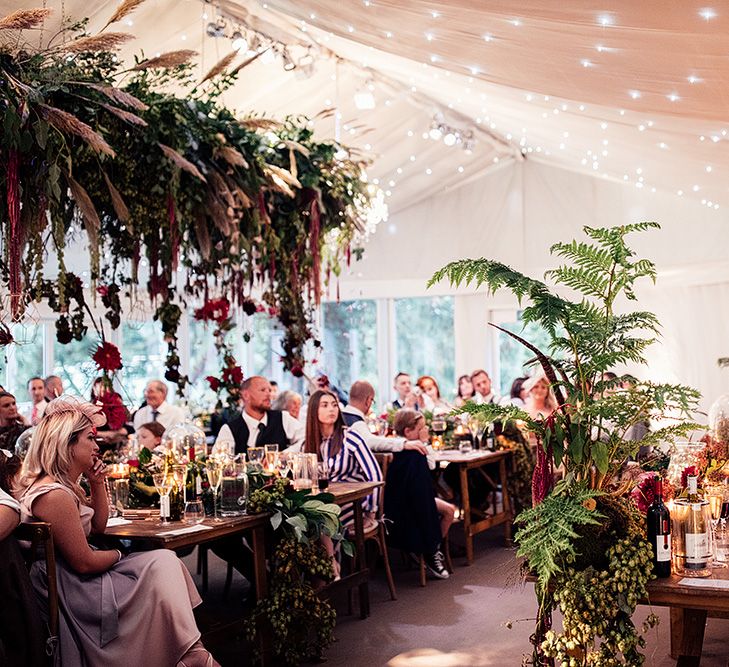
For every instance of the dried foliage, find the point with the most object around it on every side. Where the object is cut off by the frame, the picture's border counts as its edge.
(220, 66)
(109, 41)
(67, 123)
(24, 19)
(123, 10)
(125, 115)
(119, 96)
(166, 60)
(181, 162)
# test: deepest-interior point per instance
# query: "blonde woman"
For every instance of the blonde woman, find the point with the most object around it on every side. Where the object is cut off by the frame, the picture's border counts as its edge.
(115, 610)
(540, 400)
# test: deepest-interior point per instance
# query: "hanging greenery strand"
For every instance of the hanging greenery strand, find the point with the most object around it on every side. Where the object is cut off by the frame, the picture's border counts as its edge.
(159, 183)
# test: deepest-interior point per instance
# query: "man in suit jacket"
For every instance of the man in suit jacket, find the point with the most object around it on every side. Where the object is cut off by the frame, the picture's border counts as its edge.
(258, 424)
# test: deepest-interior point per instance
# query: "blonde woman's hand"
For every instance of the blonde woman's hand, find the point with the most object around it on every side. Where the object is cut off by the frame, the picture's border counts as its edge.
(97, 473)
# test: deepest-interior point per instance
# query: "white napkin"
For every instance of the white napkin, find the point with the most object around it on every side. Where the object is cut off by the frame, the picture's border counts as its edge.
(117, 521)
(705, 583)
(183, 531)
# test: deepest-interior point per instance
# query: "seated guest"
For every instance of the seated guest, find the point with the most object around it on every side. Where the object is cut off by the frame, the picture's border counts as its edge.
(22, 638)
(347, 456)
(258, 424)
(274, 389)
(517, 394)
(157, 408)
(290, 402)
(465, 390)
(11, 423)
(540, 401)
(36, 392)
(361, 398)
(111, 404)
(431, 395)
(53, 387)
(150, 435)
(406, 397)
(482, 384)
(108, 602)
(411, 513)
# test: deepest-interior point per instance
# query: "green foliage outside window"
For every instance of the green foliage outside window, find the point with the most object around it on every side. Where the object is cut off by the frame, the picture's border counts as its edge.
(425, 340)
(350, 342)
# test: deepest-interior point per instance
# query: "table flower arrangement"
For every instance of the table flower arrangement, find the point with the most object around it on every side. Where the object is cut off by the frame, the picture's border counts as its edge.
(583, 539)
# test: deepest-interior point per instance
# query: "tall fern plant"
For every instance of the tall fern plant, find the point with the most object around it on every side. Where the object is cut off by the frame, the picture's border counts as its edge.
(583, 542)
(588, 338)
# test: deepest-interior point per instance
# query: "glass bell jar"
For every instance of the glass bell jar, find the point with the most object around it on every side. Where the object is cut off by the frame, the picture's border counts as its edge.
(185, 440)
(719, 419)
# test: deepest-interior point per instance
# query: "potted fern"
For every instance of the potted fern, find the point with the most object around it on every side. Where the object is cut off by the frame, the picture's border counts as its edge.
(582, 539)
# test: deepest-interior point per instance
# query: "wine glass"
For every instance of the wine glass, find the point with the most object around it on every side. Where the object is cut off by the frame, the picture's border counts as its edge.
(438, 426)
(163, 484)
(285, 464)
(256, 456)
(715, 496)
(473, 426)
(194, 512)
(271, 456)
(214, 471)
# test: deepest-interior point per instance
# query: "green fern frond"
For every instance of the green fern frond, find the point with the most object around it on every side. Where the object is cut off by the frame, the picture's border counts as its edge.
(550, 530)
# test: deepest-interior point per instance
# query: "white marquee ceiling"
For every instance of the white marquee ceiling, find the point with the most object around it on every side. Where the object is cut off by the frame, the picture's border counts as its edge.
(628, 91)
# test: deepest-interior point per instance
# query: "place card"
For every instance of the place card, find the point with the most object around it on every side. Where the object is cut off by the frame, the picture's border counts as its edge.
(705, 583)
(184, 531)
(117, 521)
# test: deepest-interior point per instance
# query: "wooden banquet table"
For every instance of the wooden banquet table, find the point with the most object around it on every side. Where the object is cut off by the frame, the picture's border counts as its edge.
(477, 460)
(690, 605)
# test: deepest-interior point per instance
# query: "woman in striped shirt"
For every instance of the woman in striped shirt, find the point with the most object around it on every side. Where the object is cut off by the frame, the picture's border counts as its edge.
(347, 456)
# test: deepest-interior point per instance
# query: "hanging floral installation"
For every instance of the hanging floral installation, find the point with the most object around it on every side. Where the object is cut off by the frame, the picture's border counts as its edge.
(177, 197)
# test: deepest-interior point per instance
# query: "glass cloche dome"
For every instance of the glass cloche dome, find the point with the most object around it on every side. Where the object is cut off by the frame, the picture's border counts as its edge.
(182, 437)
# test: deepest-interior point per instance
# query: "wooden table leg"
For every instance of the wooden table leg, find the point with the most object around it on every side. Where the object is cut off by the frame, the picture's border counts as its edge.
(687, 635)
(364, 591)
(505, 500)
(466, 509)
(260, 577)
(259, 562)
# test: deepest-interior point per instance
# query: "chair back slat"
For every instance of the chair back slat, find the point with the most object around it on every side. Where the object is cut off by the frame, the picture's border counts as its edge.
(40, 536)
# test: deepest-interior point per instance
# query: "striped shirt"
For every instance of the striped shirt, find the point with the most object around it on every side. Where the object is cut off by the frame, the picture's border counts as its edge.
(354, 463)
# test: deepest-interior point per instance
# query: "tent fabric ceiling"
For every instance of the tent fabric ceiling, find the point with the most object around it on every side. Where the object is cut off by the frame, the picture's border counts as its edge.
(548, 81)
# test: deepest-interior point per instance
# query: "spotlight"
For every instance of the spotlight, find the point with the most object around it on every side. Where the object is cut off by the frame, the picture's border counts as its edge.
(306, 64)
(239, 42)
(217, 28)
(450, 139)
(288, 61)
(364, 97)
(435, 133)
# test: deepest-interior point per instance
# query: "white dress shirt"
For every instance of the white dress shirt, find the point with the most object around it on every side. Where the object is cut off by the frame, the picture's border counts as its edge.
(167, 415)
(39, 408)
(293, 428)
(376, 443)
(478, 399)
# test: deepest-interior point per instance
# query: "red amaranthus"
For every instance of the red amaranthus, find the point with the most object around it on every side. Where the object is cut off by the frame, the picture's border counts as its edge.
(214, 310)
(107, 357)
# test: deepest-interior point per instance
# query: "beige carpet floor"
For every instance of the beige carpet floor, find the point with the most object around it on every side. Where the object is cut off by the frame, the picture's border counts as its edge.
(481, 616)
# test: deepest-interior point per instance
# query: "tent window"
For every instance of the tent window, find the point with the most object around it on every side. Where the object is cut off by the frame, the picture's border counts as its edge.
(425, 340)
(350, 342)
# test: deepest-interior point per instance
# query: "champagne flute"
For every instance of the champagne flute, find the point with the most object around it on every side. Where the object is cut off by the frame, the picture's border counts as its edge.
(716, 499)
(272, 455)
(214, 471)
(163, 484)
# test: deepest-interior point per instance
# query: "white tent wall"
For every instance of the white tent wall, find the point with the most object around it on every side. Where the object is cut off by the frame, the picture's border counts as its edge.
(514, 214)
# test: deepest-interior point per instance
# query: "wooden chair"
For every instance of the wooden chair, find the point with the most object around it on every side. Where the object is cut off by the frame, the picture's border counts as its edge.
(202, 568)
(378, 533)
(40, 536)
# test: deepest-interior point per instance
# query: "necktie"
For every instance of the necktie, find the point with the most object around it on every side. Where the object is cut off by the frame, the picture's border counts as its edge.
(34, 415)
(154, 415)
(261, 426)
